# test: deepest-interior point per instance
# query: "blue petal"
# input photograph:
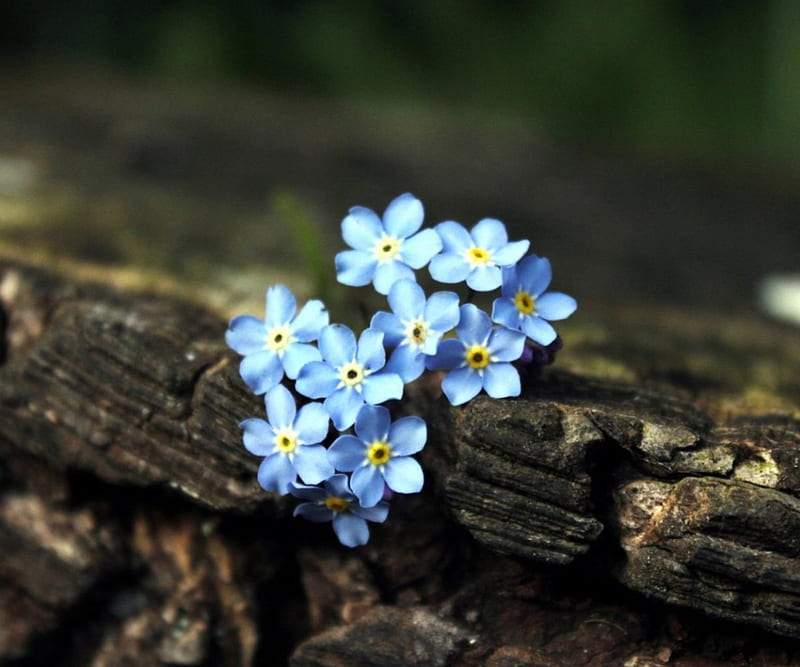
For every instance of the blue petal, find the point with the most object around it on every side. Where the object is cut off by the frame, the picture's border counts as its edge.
(246, 334)
(389, 273)
(343, 405)
(404, 475)
(258, 437)
(381, 387)
(511, 283)
(351, 530)
(337, 344)
(261, 371)
(407, 436)
(281, 407)
(314, 512)
(311, 463)
(461, 385)
(506, 345)
(347, 453)
(538, 330)
(275, 473)
(555, 306)
(407, 299)
(484, 278)
(338, 486)
(420, 248)
(392, 327)
(534, 274)
(449, 268)
(506, 313)
(362, 228)
(489, 234)
(367, 483)
(298, 355)
(317, 380)
(281, 306)
(441, 311)
(372, 423)
(451, 354)
(511, 253)
(455, 237)
(501, 380)
(355, 267)
(304, 492)
(403, 216)
(408, 362)
(309, 321)
(377, 514)
(474, 326)
(312, 424)
(371, 353)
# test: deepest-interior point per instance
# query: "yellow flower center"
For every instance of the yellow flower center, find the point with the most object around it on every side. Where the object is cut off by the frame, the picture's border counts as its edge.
(352, 374)
(478, 357)
(278, 338)
(416, 332)
(379, 453)
(476, 256)
(337, 504)
(286, 440)
(525, 303)
(386, 248)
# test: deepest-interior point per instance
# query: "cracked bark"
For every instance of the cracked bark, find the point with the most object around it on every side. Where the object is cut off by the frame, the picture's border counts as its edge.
(133, 530)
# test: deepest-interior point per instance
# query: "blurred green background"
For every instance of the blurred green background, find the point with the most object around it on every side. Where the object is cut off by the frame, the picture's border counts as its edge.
(704, 79)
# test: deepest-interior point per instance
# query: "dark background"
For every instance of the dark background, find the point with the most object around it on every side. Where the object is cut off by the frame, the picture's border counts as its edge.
(651, 149)
(708, 79)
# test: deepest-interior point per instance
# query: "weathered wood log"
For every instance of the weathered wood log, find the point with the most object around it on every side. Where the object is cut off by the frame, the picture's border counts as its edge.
(644, 485)
(678, 478)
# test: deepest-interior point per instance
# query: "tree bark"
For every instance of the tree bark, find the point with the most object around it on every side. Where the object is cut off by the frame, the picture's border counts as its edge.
(631, 484)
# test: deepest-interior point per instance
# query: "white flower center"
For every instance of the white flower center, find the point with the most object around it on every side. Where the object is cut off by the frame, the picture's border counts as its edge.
(387, 248)
(351, 374)
(278, 338)
(416, 332)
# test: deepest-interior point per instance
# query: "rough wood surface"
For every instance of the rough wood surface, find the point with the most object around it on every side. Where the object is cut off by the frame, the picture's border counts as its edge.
(640, 491)
(133, 532)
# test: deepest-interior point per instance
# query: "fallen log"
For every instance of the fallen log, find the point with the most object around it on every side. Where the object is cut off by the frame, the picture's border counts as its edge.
(640, 477)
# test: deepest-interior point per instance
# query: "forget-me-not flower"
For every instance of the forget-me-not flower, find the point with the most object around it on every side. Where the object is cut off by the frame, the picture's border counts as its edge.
(335, 502)
(349, 374)
(475, 256)
(279, 343)
(415, 326)
(385, 251)
(380, 452)
(480, 358)
(525, 305)
(289, 440)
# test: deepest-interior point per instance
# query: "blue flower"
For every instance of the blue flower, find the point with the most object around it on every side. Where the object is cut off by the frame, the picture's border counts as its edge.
(379, 453)
(349, 375)
(336, 502)
(289, 441)
(479, 359)
(279, 343)
(475, 256)
(415, 327)
(524, 306)
(385, 251)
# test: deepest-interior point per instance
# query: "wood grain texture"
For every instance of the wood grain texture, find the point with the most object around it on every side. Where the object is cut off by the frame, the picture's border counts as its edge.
(126, 493)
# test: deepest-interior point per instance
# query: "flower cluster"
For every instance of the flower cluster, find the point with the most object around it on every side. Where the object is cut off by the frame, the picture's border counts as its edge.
(342, 379)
